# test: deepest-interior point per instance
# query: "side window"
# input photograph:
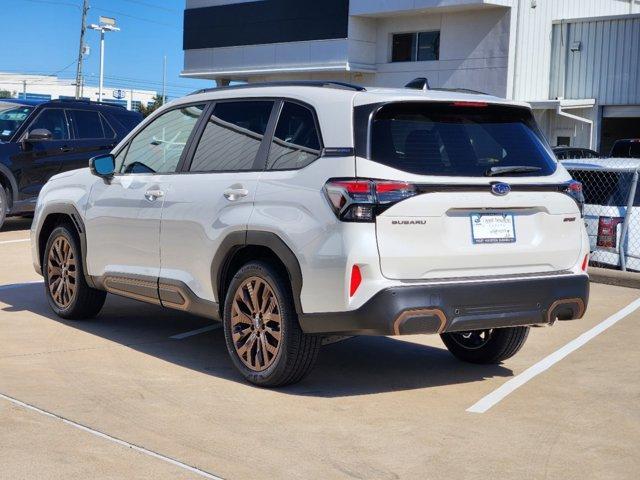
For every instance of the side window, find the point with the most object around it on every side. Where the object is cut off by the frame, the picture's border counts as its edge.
(109, 132)
(86, 124)
(54, 120)
(296, 143)
(158, 147)
(232, 137)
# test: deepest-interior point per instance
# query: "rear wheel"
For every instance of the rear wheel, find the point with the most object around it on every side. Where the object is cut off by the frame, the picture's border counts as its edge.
(486, 346)
(66, 288)
(261, 328)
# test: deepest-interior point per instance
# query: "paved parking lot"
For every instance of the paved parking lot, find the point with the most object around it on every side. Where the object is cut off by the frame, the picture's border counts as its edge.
(117, 397)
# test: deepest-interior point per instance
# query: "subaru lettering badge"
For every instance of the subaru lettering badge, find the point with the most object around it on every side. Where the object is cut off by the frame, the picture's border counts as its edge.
(500, 189)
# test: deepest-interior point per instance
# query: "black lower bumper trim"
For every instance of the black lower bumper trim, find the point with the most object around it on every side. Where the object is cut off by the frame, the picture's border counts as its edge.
(439, 308)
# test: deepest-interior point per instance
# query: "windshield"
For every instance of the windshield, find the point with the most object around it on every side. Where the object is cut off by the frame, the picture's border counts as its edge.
(12, 116)
(460, 139)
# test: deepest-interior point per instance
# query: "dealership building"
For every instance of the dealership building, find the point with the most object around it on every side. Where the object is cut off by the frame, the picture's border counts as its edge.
(576, 61)
(50, 87)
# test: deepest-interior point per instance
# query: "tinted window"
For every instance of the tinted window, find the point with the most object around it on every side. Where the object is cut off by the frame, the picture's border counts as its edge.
(415, 47)
(232, 137)
(444, 139)
(626, 149)
(296, 143)
(129, 122)
(158, 147)
(11, 118)
(86, 123)
(404, 47)
(53, 120)
(428, 46)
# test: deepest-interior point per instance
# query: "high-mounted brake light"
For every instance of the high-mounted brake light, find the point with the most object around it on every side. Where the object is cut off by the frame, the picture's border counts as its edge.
(471, 104)
(355, 200)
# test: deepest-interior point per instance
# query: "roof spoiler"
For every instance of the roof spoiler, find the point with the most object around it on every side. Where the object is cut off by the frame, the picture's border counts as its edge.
(422, 83)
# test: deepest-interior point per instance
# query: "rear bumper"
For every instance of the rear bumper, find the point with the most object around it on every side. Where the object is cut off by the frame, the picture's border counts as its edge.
(451, 307)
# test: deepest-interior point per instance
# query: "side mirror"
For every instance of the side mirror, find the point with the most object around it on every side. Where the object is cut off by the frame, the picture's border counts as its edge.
(38, 135)
(103, 166)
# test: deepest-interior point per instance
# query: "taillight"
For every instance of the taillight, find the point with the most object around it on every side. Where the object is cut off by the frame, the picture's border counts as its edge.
(608, 231)
(573, 188)
(361, 200)
(585, 263)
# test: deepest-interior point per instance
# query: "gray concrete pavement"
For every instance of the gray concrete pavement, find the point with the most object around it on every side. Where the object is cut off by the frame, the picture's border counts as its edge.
(373, 407)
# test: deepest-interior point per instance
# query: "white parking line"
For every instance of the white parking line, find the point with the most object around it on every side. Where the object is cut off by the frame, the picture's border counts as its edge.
(15, 241)
(196, 332)
(516, 382)
(106, 436)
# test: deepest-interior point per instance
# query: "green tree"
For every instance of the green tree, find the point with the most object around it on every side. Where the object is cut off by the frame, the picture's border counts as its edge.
(6, 94)
(152, 106)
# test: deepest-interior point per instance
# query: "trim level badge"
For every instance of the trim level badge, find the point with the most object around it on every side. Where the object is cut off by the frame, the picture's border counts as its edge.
(500, 189)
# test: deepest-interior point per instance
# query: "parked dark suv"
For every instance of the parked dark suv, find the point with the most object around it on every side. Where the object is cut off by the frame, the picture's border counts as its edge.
(628, 148)
(40, 139)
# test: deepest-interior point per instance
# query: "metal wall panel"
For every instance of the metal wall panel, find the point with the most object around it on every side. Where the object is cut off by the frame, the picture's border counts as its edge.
(597, 59)
(532, 65)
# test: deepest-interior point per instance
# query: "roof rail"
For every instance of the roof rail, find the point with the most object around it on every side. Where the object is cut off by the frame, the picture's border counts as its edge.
(90, 102)
(422, 83)
(295, 83)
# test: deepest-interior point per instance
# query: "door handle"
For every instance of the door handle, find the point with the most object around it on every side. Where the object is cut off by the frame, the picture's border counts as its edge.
(65, 149)
(153, 195)
(233, 194)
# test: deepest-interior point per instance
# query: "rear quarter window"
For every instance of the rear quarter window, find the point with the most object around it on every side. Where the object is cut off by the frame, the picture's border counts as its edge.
(427, 138)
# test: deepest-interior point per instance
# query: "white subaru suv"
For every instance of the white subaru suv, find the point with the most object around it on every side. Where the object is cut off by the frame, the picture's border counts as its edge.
(301, 210)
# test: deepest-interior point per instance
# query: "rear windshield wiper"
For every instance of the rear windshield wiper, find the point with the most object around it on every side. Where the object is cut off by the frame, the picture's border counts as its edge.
(497, 171)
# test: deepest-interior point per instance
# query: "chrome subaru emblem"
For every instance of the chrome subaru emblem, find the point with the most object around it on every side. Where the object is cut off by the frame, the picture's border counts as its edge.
(500, 189)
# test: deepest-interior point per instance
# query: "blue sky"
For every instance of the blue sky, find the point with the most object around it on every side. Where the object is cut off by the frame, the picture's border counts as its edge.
(41, 36)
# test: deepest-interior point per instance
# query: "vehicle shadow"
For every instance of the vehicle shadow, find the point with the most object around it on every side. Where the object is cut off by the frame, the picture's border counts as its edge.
(14, 224)
(357, 366)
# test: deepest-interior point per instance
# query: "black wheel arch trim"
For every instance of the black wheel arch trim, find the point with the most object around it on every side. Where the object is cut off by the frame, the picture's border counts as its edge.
(246, 238)
(5, 172)
(78, 224)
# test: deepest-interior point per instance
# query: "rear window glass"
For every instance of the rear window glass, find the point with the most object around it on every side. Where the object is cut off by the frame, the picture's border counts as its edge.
(626, 149)
(452, 140)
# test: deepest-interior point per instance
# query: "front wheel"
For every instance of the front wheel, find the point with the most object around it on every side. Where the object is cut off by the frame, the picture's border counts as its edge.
(3, 205)
(261, 328)
(486, 346)
(67, 291)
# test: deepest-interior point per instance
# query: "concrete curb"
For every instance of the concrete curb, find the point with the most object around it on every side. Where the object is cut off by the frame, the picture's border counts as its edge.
(614, 277)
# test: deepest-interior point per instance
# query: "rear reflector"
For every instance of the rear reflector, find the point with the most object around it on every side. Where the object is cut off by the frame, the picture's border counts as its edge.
(585, 263)
(608, 231)
(356, 280)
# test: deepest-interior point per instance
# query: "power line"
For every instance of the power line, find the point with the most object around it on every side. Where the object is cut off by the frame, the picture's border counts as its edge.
(142, 19)
(152, 5)
(56, 2)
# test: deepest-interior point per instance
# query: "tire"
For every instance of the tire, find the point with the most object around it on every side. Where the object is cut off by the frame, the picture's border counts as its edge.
(4, 205)
(268, 361)
(66, 288)
(497, 344)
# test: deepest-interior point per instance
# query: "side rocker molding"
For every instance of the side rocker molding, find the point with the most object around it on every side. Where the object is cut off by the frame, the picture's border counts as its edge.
(72, 212)
(237, 240)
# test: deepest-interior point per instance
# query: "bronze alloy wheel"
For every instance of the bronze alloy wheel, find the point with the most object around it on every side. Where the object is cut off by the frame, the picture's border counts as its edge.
(256, 324)
(472, 340)
(62, 272)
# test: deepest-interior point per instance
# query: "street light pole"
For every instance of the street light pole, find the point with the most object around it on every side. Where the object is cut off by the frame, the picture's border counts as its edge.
(106, 24)
(100, 89)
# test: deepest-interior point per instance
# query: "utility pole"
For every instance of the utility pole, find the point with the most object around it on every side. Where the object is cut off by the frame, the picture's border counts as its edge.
(24, 89)
(164, 80)
(83, 29)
